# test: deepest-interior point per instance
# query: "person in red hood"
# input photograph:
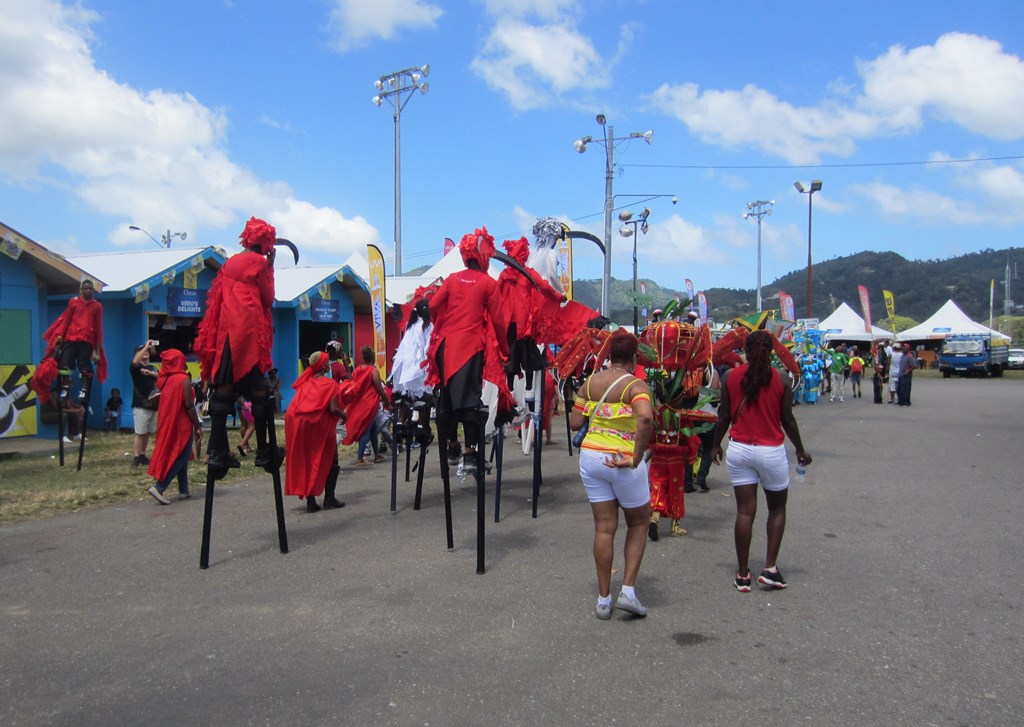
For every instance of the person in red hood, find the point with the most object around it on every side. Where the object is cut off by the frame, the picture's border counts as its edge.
(309, 428)
(234, 344)
(178, 422)
(468, 317)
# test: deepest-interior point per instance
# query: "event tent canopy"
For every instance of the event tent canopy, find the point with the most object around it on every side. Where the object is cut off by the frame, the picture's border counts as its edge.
(948, 320)
(845, 325)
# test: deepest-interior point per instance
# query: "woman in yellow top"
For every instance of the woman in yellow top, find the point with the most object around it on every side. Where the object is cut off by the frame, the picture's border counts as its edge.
(613, 469)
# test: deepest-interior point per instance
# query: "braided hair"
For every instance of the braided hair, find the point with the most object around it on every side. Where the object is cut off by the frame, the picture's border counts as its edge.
(759, 364)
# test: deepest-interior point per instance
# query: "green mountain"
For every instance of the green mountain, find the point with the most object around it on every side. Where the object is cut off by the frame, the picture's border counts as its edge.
(919, 287)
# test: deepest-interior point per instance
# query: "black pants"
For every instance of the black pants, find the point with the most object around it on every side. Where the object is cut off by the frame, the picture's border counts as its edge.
(77, 354)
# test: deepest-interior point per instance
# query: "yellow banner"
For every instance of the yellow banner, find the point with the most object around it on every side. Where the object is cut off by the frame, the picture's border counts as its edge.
(890, 303)
(565, 261)
(324, 289)
(377, 306)
(190, 279)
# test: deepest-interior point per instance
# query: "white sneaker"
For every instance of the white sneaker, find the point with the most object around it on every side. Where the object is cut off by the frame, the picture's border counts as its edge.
(158, 496)
(78, 438)
(67, 440)
(840, 400)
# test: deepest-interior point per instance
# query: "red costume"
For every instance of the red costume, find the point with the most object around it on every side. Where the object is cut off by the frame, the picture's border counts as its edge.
(360, 400)
(81, 322)
(309, 427)
(176, 420)
(238, 310)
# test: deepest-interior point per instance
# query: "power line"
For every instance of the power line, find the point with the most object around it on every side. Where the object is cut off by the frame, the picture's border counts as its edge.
(827, 166)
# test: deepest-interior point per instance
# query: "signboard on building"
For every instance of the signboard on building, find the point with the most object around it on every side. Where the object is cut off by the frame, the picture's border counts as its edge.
(325, 311)
(186, 302)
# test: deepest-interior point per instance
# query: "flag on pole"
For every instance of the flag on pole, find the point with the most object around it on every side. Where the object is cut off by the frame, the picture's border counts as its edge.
(786, 306)
(689, 291)
(449, 245)
(752, 322)
(890, 303)
(565, 261)
(377, 303)
(991, 302)
(702, 307)
(865, 306)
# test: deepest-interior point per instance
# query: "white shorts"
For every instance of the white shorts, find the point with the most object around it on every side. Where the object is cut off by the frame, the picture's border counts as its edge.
(603, 483)
(145, 420)
(750, 464)
(893, 381)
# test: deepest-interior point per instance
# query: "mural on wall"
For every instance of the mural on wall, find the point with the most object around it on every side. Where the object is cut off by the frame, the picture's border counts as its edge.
(17, 401)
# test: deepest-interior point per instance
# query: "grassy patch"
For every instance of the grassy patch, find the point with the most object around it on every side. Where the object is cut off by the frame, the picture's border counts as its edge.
(35, 486)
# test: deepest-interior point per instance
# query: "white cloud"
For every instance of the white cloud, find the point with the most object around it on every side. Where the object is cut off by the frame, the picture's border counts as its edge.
(148, 157)
(543, 9)
(674, 241)
(917, 204)
(535, 64)
(964, 79)
(357, 22)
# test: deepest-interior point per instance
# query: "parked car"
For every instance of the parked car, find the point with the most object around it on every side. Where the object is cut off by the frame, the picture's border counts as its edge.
(1016, 360)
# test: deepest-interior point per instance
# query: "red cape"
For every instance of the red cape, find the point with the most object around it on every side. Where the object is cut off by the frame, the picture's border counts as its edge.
(309, 430)
(360, 400)
(175, 424)
(65, 325)
(238, 310)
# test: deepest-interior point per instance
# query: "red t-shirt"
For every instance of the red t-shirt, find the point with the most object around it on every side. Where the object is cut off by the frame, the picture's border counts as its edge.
(758, 422)
(467, 310)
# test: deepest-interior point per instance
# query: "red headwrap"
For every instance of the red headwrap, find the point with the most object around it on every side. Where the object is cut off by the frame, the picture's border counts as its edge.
(172, 361)
(479, 246)
(258, 235)
(322, 362)
(518, 250)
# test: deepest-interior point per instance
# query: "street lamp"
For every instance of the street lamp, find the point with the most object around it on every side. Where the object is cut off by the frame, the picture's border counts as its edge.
(165, 240)
(391, 88)
(626, 218)
(757, 210)
(609, 142)
(815, 187)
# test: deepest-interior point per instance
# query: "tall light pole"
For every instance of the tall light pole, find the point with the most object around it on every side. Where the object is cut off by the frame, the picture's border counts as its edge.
(626, 217)
(757, 210)
(609, 142)
(165, 240)
(397, 88)
(815, 187)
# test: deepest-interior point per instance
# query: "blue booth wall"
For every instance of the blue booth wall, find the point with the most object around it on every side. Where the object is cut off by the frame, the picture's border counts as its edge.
(21, 290)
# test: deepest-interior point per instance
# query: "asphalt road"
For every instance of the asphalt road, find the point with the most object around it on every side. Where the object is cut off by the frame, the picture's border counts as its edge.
(903, 607)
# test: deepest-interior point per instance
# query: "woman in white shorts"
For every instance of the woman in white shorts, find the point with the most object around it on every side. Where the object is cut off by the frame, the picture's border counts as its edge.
(613, 469)
(758, 404)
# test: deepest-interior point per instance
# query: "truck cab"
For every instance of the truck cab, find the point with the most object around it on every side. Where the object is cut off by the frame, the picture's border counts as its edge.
(974, 354)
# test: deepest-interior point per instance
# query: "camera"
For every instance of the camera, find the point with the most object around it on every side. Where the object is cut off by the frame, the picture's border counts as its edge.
(154, 344)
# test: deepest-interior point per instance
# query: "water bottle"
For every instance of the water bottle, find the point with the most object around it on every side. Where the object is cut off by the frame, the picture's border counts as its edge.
(801, 472)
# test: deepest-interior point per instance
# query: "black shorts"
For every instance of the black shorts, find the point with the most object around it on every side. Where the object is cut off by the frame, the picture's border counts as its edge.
(464, 389)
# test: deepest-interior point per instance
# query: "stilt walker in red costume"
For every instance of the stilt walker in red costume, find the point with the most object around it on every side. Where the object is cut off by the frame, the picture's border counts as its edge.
(234, 345)
(310, 426)
(75, 340)
(178, 422)
(468, 317)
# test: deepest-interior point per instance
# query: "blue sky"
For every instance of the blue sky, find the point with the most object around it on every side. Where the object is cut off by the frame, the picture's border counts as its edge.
(193, 115)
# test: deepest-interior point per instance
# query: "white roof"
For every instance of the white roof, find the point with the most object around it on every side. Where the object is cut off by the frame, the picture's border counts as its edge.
(290, 283)
(845, 325)
(948, 320)
(123, 270)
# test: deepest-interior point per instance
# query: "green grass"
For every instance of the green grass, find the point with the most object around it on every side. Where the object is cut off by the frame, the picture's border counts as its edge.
(35, 486)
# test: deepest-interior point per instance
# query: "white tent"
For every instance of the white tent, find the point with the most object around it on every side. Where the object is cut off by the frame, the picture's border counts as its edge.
(948, 320)
(845, 325)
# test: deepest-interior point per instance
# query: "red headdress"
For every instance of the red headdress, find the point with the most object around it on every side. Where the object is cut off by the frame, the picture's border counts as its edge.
(319, 361)
(172, 361)
(479, 246)
(518, 250)
(258, 235)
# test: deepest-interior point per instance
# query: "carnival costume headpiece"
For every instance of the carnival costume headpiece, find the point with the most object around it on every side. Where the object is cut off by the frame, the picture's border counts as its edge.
(479, 246)
(518, 250)
(319, 361)
(258, 235)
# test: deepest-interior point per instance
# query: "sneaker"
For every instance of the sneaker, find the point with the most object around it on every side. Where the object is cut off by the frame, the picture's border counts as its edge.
(631, 605)
(652, 531)
(831, 398)
(157, 496)
(269, 460)
(78, 438)
(469, 463)
(840, 400)
(68, 440)
(184, 495)
(224, 460)
(688, 488)
(703, 484)
(772, 578)
(742, 584)
(603, 612)
(454, 453)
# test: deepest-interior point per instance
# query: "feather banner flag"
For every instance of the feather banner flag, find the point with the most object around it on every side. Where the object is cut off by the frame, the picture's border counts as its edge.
(689, 291)
(890, 303)
(565, 261)
(377, 303)
(786, 306)
(702, 306)
(865, 306)
(449, 245)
